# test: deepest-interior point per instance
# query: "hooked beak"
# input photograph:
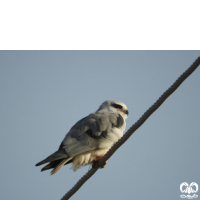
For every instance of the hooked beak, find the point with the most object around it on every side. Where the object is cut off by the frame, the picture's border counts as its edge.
(126, 112)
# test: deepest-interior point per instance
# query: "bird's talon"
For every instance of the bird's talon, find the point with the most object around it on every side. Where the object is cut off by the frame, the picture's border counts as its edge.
(94, 163)
(104, 164)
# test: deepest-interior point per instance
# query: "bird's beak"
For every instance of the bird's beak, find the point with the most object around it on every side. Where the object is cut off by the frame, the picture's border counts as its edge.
(126, 112)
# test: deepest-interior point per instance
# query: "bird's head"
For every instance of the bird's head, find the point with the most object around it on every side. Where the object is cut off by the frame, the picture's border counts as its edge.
(115, 106)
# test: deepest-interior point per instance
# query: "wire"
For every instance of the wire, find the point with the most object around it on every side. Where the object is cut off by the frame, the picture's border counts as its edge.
(133, 128)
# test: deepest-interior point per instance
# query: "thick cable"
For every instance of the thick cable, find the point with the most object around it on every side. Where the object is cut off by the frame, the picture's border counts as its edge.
(133, 128)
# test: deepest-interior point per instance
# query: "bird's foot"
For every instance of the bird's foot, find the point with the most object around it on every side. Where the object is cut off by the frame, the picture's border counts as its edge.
(104, 164)
(94, 163)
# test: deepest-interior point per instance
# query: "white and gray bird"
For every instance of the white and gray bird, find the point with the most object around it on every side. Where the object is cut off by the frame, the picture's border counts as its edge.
(90, 138)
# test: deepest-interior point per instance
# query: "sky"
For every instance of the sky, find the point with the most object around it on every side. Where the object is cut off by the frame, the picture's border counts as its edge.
(44, 93)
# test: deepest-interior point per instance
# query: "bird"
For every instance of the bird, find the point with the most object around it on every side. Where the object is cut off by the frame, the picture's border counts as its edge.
(90, 138)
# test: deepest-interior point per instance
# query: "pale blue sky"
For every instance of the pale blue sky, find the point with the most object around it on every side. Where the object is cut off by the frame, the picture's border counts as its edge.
(43, 93)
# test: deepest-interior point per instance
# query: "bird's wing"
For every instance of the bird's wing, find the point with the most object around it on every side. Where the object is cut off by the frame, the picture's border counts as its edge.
(87, 134)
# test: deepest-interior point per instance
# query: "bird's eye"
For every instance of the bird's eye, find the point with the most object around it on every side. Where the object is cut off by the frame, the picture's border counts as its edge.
(117, 106)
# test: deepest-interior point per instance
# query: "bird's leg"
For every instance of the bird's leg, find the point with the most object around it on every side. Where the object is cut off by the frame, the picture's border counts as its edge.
(94, 163)
(104, 164)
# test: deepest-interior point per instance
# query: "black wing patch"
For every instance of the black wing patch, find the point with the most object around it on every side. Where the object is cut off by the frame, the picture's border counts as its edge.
(120, 121)
(103, 134)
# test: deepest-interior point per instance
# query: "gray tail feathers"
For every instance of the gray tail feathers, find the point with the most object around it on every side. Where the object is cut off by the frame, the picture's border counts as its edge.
(57, 167)
(60, 154)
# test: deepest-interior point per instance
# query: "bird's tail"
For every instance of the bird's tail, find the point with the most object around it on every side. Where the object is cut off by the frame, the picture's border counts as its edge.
(57, 167)
(56, 161)
(60, 154)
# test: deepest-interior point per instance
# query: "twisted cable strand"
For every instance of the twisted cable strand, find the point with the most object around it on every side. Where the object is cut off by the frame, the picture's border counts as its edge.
(154, 107)
(79, 183)
(134, 127)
